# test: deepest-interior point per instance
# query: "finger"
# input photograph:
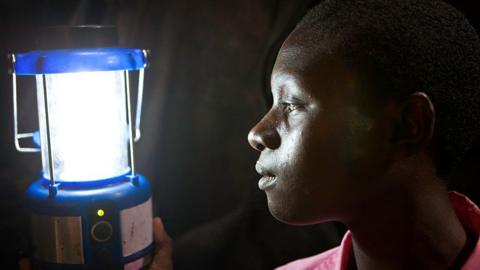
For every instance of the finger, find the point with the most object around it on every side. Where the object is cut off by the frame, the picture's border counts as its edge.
(162, 259)
(159, 234)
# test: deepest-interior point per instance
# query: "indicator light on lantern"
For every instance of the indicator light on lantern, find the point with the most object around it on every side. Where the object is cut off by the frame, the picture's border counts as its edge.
(100, 213)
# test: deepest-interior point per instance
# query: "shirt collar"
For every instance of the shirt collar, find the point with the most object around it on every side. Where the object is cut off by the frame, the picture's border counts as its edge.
(469, 215)
(467, 212)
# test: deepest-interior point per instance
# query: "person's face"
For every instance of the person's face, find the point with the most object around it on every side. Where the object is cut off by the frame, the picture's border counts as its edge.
(316, 145)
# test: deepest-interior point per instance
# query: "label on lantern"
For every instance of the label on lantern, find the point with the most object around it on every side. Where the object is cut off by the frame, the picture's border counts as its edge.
(136, 228)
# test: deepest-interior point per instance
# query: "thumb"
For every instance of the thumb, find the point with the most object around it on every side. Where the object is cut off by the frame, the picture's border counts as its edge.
(162, 257)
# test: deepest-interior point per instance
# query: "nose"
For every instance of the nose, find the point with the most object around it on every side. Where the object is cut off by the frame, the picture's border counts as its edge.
(264, 135)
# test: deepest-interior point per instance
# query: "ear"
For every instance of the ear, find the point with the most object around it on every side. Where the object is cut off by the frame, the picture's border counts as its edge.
(414, 129)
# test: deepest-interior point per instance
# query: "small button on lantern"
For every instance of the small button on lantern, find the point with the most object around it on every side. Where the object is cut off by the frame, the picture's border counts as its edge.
(90, 209)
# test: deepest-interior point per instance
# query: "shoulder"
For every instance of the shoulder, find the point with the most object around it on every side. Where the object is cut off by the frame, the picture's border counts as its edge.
(327, 260)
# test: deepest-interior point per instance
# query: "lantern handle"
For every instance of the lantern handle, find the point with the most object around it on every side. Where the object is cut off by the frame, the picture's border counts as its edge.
(18, 136)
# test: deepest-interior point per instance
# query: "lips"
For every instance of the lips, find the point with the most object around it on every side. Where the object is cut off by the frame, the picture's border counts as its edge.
(268, 179)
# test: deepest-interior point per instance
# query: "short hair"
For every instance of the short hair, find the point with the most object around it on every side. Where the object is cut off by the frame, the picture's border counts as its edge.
(411, 45)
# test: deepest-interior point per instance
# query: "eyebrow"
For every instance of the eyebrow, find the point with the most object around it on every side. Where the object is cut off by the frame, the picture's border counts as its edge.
(287, 80)
(284, 79)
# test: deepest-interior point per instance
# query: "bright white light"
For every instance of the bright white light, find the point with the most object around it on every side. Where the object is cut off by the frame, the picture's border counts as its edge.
(88, 126)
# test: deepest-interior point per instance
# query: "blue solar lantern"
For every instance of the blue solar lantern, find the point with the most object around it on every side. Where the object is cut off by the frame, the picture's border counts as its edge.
(90, 209)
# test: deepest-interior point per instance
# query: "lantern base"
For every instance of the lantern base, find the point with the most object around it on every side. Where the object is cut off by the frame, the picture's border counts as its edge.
(104, 224)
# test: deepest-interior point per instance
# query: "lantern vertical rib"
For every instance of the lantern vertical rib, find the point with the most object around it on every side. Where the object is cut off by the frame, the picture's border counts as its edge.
(49, 137)
(15, 120)
(129, 119)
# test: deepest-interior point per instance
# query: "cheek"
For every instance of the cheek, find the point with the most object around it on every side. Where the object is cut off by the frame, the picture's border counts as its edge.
(319, 176)
(325, 163)
(325, 151)
(312, 182)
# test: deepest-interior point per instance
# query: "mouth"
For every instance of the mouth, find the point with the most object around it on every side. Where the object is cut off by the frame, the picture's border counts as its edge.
(268, 179)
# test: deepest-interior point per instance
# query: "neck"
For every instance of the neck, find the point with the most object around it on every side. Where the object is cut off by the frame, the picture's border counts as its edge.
(408, 230)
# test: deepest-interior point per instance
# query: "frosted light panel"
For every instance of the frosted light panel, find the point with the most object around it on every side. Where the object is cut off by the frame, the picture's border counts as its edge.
(88, 128)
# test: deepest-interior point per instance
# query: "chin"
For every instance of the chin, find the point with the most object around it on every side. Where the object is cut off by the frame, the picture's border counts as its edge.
(289, 214)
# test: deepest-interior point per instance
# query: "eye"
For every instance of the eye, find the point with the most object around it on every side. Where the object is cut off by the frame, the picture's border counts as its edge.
(290, 107)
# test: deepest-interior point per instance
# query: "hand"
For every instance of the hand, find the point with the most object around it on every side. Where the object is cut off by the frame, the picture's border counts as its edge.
(162, 256)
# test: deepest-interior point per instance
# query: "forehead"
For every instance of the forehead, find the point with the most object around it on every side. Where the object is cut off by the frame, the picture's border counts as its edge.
(314, 69)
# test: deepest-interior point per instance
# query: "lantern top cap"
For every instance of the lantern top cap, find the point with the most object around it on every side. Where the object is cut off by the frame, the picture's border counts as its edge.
(79, 60)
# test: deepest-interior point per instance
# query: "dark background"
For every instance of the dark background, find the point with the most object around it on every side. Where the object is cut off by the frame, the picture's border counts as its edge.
(207, 85)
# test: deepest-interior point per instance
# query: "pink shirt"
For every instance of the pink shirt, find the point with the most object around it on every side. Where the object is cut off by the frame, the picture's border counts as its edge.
(337, 258)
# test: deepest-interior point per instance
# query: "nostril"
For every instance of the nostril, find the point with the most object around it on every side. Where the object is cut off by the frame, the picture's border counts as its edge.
(259, 147)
